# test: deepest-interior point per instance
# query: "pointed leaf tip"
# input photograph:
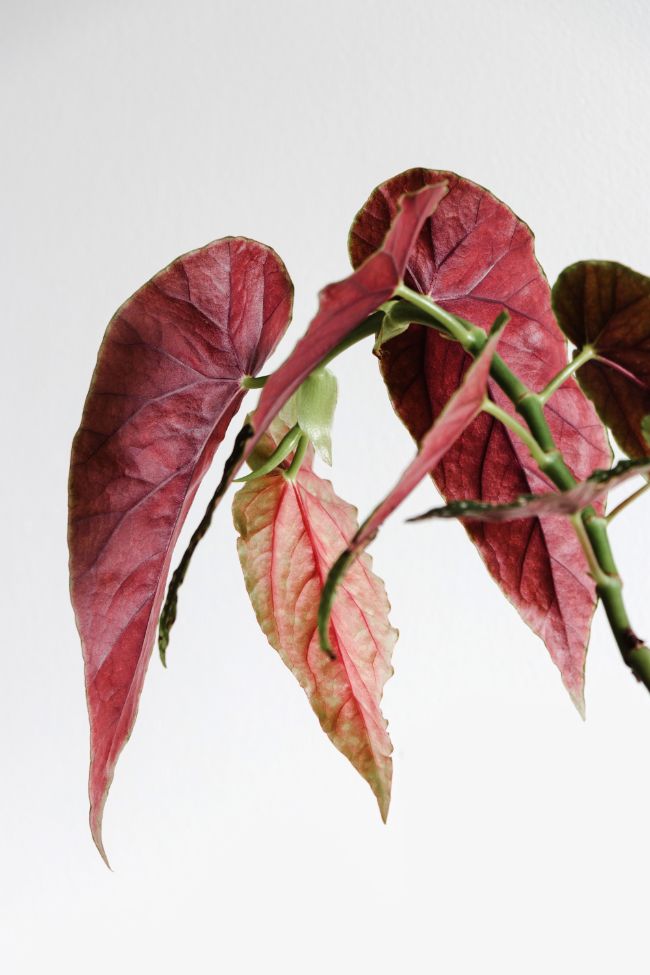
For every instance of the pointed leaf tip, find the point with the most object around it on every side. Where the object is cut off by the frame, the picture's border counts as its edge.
(289, 535)
(166, 385)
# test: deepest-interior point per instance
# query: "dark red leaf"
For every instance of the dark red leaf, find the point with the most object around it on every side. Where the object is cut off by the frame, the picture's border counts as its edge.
(607, 306)
(557, 503)
(166, 385)
(475, 257)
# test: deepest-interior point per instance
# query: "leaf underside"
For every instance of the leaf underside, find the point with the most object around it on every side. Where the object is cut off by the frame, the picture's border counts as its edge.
(289, 535)
(166, 385)
(607, 305)
(474, 257)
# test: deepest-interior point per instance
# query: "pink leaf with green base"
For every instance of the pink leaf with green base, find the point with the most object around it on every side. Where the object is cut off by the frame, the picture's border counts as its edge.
(290, 533)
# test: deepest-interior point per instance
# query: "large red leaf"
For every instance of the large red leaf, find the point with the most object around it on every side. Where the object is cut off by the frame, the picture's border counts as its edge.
(166, 385)
(475, 257)
(290, 535)
(607, 306)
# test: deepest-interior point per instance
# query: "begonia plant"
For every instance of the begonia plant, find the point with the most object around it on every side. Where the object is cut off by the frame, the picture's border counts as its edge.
(471, 344)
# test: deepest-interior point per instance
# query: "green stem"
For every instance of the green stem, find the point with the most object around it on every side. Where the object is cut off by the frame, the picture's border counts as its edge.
(291, 472)
(592, 535)
(541, 458)
(284, 448)
(453, 325)
(367, 327)
(254, 382)
(585, 354)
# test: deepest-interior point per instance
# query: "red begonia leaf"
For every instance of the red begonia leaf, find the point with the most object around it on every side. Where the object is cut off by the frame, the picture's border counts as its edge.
(290, 533)
(555, 503)
(474, 257)
(607, 306)
(166, 385)
(347, 303)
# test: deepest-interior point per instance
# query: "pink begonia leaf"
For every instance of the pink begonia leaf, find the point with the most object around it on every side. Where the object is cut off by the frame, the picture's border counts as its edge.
(474, 257)
(559, 503)
(458, 413)
(166, 385)
(289, 535)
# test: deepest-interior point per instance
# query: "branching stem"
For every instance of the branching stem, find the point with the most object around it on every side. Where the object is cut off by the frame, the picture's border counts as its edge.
(538, 455)
(592, 530)
(585, 354)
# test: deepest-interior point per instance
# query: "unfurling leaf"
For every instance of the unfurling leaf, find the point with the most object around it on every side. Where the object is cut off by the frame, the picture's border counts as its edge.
(554, 503)
(166, 385)
(290, 534)
(458, 413)
(607, 306)
(315, 405)
(474, 257)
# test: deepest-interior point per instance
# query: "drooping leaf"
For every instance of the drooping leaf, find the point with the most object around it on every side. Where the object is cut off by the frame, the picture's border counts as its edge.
(166, 385)
(464, 404)
(556, 503)
(474, 257)
(607, 306)
(289, 535)
(343, 307)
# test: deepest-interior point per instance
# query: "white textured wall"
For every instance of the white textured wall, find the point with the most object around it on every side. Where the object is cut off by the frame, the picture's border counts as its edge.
(241, 840)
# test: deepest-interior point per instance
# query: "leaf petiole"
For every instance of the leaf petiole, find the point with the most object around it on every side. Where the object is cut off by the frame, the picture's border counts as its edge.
(453, 325)
(254, 382)
(282, 451)
(539, 455)
(627, 501)
(292, 471)
(585, 355)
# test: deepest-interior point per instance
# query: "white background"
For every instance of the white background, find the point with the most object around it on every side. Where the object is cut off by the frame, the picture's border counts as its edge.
(240, 839)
